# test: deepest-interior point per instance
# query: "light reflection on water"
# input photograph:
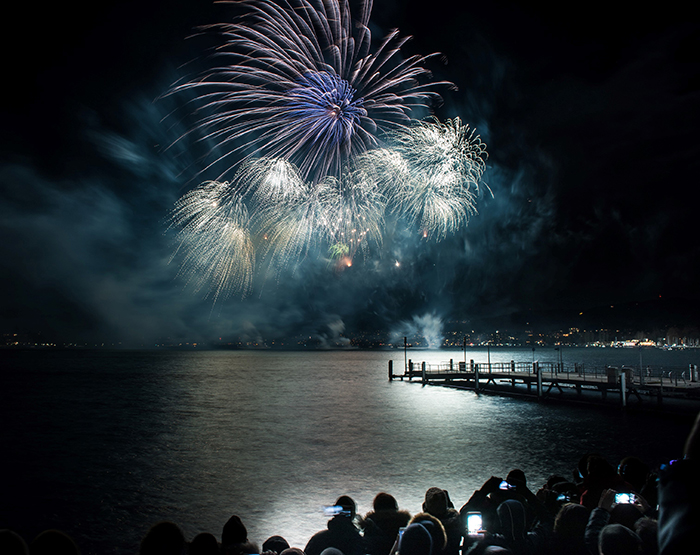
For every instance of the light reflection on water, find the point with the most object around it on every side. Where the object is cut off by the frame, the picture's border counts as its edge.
(106, 444)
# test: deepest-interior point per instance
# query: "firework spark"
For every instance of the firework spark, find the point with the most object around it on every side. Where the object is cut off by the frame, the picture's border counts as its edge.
(213, 237)
(431, 172)
(295, 79)
(294, 107)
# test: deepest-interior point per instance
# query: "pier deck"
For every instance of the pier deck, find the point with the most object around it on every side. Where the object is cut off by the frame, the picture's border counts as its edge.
(677, 389)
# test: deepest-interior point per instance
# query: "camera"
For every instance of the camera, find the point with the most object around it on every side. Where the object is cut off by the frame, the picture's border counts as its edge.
(506, 485)
(474, 523)
(564, 498)
(625, 498)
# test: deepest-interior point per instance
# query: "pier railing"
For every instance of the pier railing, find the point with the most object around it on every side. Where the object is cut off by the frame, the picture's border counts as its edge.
(546, 377)
(645, 375)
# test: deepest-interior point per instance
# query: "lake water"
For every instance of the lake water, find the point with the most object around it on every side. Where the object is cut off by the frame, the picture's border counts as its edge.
(103, 444)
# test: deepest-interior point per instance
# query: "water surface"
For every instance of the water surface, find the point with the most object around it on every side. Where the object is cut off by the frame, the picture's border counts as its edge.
(104, 444)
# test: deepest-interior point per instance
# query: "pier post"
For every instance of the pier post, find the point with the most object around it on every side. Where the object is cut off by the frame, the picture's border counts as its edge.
(422, 368)
(450, 365)
(536, 370)
(476, 376)
(391, 370)
(410, 369)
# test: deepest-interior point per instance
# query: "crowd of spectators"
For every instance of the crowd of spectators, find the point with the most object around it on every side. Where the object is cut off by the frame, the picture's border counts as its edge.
(600, 510)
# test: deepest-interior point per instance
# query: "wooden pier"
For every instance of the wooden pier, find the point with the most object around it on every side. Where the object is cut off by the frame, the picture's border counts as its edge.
(571, 383)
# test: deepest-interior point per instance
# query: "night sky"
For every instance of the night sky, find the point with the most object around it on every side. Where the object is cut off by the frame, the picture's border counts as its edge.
(590, 112)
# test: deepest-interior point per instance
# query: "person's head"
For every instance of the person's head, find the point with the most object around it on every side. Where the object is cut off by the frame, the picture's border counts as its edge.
(276, 544)
(164, 538)
(570, 522)
(634, 471)
(11, 543)
(348, 505)
(385, 502)
(203, 544)
(416, 540)
(245, 548)
(435, 502)
(234, 532)
(433, 525)
(599, 468)
(516, 476)
(648, 531)
(512, 519)
(625, 514)
(616, 539)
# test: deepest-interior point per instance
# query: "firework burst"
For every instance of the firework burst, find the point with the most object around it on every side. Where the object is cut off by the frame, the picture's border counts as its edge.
(214, 240)
(296, 79)
(431, 172)
(293, 106)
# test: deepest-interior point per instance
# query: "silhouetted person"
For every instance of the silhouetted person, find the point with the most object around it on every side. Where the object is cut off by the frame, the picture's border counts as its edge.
(416, 540)
(616, 539)
(568, 531)
(275, 544)
(341, 532)
(54, 542)
(203, 544)
(679, 488)
(647, 530)
(437, 503)
(513, 531)
(435, 528)
(11, 543)
(164, 538)
(601, 476)
(381, 526)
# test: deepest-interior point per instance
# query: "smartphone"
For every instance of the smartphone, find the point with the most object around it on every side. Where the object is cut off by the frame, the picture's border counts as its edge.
(506, 485)
(474, 523)
(625, 498)
(564, 498)
(333, 510)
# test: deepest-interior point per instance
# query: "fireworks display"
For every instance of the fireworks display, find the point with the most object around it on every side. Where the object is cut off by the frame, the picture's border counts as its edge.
(318, 136)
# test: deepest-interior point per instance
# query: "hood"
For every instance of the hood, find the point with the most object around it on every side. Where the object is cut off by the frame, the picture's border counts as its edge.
(511, 515)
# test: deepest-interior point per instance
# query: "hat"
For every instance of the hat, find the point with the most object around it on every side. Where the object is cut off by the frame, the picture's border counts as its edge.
(416, 540)
(234, 532)
(435, 502)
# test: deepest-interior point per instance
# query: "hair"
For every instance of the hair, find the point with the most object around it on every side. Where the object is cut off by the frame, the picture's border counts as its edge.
(164, 538)
(571, 521)
(435, 527)
(54, 542)
(385, 502)
(203, 544)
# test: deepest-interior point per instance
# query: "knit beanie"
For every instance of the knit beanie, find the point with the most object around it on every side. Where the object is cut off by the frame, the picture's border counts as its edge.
(416, 540)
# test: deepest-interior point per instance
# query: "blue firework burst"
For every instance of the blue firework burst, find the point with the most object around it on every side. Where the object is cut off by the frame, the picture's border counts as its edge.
(298, 79)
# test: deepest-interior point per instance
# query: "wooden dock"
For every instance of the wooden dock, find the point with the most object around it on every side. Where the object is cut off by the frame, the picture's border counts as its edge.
(676, 389)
